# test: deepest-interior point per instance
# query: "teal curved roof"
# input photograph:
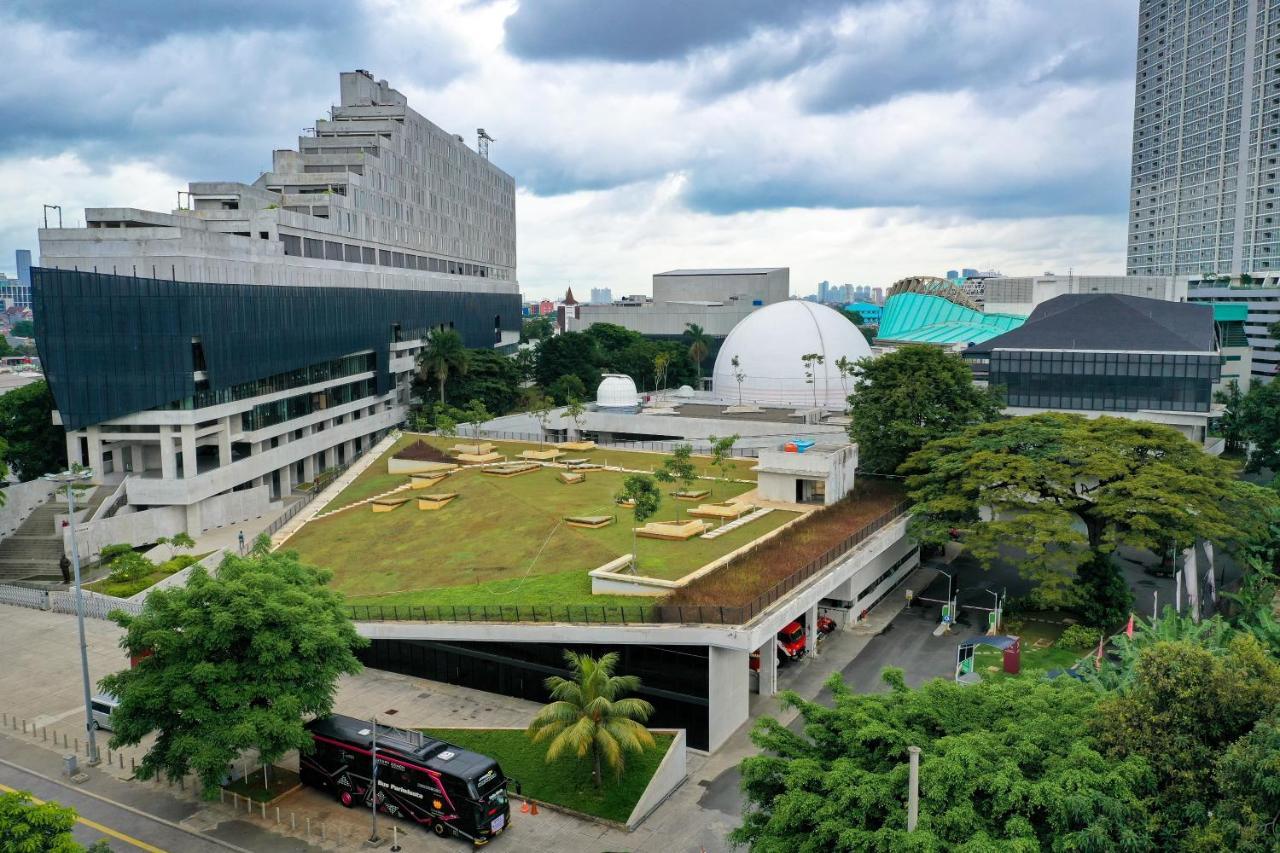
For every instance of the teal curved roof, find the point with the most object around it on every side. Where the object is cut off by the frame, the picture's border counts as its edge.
(921, 318)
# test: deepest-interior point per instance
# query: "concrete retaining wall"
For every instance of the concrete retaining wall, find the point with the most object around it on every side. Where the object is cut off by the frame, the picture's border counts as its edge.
(135, 528)
(20, 500)
(234, 507)
(670, 774)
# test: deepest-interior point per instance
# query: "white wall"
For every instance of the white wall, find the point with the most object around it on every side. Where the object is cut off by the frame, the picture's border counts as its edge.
(135, 528)
(234, 507)
(728, 693)
(670, 773)
(20, 500)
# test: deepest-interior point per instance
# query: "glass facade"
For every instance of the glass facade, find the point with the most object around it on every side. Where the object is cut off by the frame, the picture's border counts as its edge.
(1105, 381)
(322, 372)
(279, 411)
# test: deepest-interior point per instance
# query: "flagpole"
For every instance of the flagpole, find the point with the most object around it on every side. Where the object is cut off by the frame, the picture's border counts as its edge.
(1155, 605)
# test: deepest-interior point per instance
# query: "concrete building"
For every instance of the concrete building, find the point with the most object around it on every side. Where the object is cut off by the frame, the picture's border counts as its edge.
(16, 292)
(1206, 139)
(715, 299)
(1260, 297)
(214, 357)
(1109, 354)
(1021, 294)
(821, 474)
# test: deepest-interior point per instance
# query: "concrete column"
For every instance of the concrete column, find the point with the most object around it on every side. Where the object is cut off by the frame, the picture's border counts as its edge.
(811, 629)
(728, 691)
(769, 668)
(73, 448)
(224, 441)
(309, 468)
(168, 459)
(194, 525)
(188, 451)
(286, 481)
(95, 450)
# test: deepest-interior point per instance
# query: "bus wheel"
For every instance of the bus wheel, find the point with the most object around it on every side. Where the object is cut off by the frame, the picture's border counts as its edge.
(441, 829)
(346, 799)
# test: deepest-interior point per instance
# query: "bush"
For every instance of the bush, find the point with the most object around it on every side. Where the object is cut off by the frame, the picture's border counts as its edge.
(130, 566)
(110, 553)
(1078, 638)
(1102, 594)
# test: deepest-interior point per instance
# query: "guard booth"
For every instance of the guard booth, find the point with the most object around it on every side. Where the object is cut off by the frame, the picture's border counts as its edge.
(1011, 647)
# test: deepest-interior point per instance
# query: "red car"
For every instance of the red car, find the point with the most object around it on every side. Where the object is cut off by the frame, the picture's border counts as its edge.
(790, 645)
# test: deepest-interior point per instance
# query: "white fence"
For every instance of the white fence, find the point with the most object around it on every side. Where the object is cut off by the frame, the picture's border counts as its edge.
(96, 606)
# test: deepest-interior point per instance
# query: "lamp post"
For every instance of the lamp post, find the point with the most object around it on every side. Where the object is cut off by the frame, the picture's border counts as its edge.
(950, 604)
(373, 786)
(67, 478)
(995, 611)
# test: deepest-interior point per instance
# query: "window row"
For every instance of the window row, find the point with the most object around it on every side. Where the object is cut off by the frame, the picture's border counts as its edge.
(306, 247)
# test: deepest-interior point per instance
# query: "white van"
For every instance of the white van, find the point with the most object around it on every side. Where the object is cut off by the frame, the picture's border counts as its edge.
(103, 705)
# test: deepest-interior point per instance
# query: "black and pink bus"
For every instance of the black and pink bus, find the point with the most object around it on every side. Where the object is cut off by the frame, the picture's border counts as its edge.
(453, 791)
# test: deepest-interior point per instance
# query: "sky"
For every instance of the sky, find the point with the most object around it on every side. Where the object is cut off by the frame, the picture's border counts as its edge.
(851, 140)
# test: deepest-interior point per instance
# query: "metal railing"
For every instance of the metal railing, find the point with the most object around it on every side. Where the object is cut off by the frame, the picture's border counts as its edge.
(96, 605)
(600, 614)
(111, 505)
(699, 445)
(307, 497)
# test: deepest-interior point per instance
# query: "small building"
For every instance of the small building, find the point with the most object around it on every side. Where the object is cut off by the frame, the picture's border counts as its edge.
(821, 474)
(866, 313)
(1229, 320)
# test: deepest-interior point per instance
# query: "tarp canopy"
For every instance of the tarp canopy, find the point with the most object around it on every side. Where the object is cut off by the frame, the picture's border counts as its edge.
(999, 642)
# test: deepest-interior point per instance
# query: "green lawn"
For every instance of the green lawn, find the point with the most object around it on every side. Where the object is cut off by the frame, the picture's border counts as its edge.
(126, 589)
(375, 480)
(503, 541)
(1039, 652)
(566, 782)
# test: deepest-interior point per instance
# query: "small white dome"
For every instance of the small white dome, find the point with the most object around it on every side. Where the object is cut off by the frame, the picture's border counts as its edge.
(684, 391)
(617, 391)
(769, 344)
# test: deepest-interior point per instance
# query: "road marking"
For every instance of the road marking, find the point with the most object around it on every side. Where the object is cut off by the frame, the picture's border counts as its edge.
(93, 824)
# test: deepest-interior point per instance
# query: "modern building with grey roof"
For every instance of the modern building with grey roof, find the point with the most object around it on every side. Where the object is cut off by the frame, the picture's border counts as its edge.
(1109, 354)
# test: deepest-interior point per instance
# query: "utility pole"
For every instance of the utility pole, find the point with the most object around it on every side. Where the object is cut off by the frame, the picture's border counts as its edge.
(913, 790)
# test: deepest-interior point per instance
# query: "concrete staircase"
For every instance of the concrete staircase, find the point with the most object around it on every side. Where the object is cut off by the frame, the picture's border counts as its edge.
(34, 549)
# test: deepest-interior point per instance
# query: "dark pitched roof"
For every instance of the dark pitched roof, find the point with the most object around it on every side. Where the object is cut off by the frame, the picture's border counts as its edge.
(1110, 321)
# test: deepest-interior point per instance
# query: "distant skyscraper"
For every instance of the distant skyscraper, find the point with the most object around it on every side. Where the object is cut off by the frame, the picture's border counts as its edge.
(824, 291)
(16, 292)
(1203, 194)
(966, 272)
(953, 274)
(601, 296)
(877, 295)
(23, 257)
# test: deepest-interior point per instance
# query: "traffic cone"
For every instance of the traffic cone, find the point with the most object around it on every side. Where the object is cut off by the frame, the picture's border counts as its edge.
(524, 807)
(533, 809)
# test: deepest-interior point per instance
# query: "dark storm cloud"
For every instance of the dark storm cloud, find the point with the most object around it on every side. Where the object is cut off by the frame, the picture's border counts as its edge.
(627, 31)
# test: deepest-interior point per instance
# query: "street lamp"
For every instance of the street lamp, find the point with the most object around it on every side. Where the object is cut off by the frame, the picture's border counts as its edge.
(950, 604)
(67, 478)
(995, 611)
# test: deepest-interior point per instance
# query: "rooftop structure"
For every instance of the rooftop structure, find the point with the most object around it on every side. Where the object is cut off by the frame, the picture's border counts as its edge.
(924, 318)
(1021, 294)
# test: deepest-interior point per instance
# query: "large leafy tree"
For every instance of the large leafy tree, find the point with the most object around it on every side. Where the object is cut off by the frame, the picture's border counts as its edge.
(491, 377)
(572, 353)
(234, 661)
(909, 397)
(30, 827)
(1062, 489)
(1008, 765)
(1184, 705)
(1231, 425)
(537, 328)
(1246, 810)
(591, 717)
(1259, 421)
(443, 356)
(37, 446)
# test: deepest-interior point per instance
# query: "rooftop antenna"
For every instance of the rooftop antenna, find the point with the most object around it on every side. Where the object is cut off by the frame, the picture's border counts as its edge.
(482, 142)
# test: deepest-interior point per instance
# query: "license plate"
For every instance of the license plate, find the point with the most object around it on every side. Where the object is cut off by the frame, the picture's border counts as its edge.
(498, 823)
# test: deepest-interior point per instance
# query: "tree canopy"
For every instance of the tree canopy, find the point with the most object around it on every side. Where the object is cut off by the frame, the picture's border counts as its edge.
(30, 827)
(443, 356)
(234, 661)
(570, 354)
(491, 377)
(1258, 425)
(1007, 765)
(37, 446)
(907, 398)
(1060, 488)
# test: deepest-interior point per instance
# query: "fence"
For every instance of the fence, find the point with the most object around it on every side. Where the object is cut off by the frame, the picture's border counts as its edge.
(112, 504)
(699, 445)
(683, 614)
(307, 497)
(96, 605)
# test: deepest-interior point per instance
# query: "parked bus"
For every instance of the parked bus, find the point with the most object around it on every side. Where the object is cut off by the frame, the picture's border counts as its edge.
(451, 790)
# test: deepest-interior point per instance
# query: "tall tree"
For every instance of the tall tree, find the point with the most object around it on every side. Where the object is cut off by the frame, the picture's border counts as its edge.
(1102, 595)
(37, 446)
(661, 362)
(443, 355)
(27, 826)
(23, 329)
(641, 492)
(722, 453)
(1260, 426)
(1007, 765)
(811, 362)
(591, 716)
(1231, 425)
(491, 377)
(906, 398)
(678, 468)
(231, 662)
(699, 345)
(1246, 808)
(573, 353)
(566, 388)
(1031, 483)
(536, 329)
(739, 375)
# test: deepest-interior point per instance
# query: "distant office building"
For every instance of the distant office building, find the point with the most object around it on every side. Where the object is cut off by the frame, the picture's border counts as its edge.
(272, 328)
(601, 296)
(1109, 354)
(968, 273)
(23, 258)
(1203, 196)
(1021, 294)
(953, 274)
(868, 313)
(877, 295)
(16, 292)
(715, 299)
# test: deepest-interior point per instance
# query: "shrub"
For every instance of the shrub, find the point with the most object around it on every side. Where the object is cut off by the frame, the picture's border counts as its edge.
(110, 553)
(1078, 638)
(130, 566)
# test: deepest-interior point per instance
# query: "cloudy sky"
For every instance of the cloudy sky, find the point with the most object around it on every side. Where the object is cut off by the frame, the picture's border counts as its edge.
(852, 140)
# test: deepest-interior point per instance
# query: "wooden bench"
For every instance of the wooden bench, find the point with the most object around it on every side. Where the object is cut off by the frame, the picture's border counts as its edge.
(425, 481)
(721, 510)
(590, 521)
(674, 531)
(477, 449)
(511, 469)
(578, 446)
(691, 495)
(542, 455)
(388, 504)
(436, 501)
(569, 478)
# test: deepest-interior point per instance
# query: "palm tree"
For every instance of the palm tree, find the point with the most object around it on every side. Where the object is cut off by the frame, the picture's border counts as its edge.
(588, 718)
(443, 354)
(699, 345)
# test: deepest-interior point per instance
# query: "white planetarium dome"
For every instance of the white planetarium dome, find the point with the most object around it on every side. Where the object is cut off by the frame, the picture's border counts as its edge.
(769, 344)
(617, 391)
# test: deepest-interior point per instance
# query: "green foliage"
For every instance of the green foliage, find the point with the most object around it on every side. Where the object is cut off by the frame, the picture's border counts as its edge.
(621, 350)
(721, 454)
(739, 375)
(566, 388)
(569, 354)
(1103, 597)
(1185, 704)
(476, 414)
(907, 398)
(590, 718)
(699, 345)
(537, 328)
(110, 553)
(184, 540)
(642, 492)
(239, 661)
(1028, 482)
(1006, 765)
(491, 378)
(1231, 425)
(6, 348)
(37, 446)
(1259, 426)
(130, 566)
(574, 410)
(661, 362)
(1078, 638)
(443, 356)
(27, 827)
(1246, 812)
(540, 406)
(811, 360)
(23, 329)
(678, 468)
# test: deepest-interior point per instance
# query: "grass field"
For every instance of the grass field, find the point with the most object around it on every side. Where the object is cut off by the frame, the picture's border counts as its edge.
(375, 480)
(502, 541)
(1039, 652)
(566, 782)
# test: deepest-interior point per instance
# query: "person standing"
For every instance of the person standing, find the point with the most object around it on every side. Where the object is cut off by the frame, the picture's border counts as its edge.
(65, 565)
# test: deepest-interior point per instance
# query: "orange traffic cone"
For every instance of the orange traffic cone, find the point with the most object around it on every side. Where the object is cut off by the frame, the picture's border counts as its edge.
(524, 807)
(533, 809)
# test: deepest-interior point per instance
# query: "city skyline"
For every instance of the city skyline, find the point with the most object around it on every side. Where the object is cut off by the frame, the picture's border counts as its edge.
(693, 103)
